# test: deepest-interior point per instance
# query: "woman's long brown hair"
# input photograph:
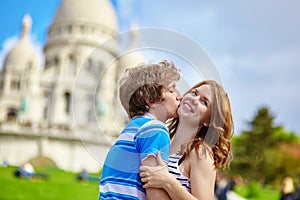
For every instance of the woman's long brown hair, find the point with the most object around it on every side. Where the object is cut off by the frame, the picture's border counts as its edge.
(215, 137)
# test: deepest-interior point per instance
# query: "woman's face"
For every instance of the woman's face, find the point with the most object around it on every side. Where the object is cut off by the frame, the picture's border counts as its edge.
(195, 106)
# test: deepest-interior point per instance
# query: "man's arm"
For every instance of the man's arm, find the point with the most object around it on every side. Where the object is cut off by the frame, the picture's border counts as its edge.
(154, 193)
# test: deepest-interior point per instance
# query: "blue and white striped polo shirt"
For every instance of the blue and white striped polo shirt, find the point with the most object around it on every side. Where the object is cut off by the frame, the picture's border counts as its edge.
(142, 136)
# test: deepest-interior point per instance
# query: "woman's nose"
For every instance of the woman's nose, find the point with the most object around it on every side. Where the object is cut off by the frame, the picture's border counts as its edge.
(195, 99)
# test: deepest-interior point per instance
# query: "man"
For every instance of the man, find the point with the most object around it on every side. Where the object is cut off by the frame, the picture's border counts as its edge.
(149, 95)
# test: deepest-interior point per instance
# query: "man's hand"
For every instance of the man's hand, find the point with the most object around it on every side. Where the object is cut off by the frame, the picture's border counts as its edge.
(155, 176)
(154, 164)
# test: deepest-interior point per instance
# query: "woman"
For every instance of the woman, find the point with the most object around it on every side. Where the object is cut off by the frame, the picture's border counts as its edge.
(288, 190)
(200, 145)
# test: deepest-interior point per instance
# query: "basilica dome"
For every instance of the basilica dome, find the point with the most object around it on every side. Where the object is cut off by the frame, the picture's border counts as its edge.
(91, 11)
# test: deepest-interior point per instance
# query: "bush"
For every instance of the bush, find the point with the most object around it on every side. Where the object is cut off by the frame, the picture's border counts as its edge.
(253, 190)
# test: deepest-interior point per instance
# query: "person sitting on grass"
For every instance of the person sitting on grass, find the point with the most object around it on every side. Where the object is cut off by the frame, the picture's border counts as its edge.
(85, 177)
(26, 170)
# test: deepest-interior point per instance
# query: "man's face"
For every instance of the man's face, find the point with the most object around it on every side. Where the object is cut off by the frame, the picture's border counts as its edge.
(171, 100)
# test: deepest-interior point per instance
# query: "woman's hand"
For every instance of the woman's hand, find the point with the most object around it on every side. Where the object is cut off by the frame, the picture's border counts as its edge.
(155, 176)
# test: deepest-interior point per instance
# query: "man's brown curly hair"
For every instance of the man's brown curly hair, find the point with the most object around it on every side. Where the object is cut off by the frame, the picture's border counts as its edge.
(145, 83)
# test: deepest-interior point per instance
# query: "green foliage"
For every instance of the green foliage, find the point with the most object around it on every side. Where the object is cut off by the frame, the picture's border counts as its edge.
(60, 185)
(265, 153)
(274, 161)
(285, 136)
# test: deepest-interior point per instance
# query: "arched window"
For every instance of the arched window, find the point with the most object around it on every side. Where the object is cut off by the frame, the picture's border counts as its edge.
(91, 108)
(72, 65)
(11, 114)
(47, 107)
(90, 63)
(15, 84)
(1, 84)
(68, 102)
(30, 66)
(56, 60)
(70, 29)
(47, 63)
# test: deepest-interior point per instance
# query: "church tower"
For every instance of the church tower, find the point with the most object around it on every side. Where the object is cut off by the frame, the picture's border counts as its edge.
(19, 81)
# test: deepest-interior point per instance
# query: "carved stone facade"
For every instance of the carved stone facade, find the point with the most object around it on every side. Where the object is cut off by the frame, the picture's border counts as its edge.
(64, 110)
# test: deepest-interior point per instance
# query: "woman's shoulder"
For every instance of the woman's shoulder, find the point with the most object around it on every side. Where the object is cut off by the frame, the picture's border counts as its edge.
(201, 164)
(202, 154)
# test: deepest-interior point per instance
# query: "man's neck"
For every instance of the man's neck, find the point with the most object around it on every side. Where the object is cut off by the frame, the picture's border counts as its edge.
(158, 112)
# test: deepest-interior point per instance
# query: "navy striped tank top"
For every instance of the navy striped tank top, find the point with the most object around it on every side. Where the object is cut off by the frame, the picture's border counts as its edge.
(173, 167)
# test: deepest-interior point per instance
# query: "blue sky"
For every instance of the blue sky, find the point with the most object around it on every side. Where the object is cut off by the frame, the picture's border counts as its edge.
(255, 45)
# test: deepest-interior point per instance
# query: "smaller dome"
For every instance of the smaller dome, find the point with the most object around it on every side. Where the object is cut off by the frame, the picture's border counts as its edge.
(131, 56)
(23, 54)
(131, 59)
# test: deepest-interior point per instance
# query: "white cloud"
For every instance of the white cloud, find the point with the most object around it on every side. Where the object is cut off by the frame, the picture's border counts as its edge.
(255, 46)
(276, 65)
(256, 80)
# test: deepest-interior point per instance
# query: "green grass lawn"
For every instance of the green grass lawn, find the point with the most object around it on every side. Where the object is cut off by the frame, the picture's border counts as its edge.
(254, 192)
(63, 185)
(59, 185)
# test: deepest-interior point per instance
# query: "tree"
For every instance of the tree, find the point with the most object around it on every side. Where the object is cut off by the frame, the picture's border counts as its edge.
(252, 147)
(256, 151)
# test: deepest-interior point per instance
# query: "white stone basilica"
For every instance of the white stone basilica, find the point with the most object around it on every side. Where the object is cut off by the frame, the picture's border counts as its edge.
(66, 110)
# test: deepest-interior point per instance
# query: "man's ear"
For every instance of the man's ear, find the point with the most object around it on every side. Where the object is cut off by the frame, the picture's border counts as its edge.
(149, 103)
